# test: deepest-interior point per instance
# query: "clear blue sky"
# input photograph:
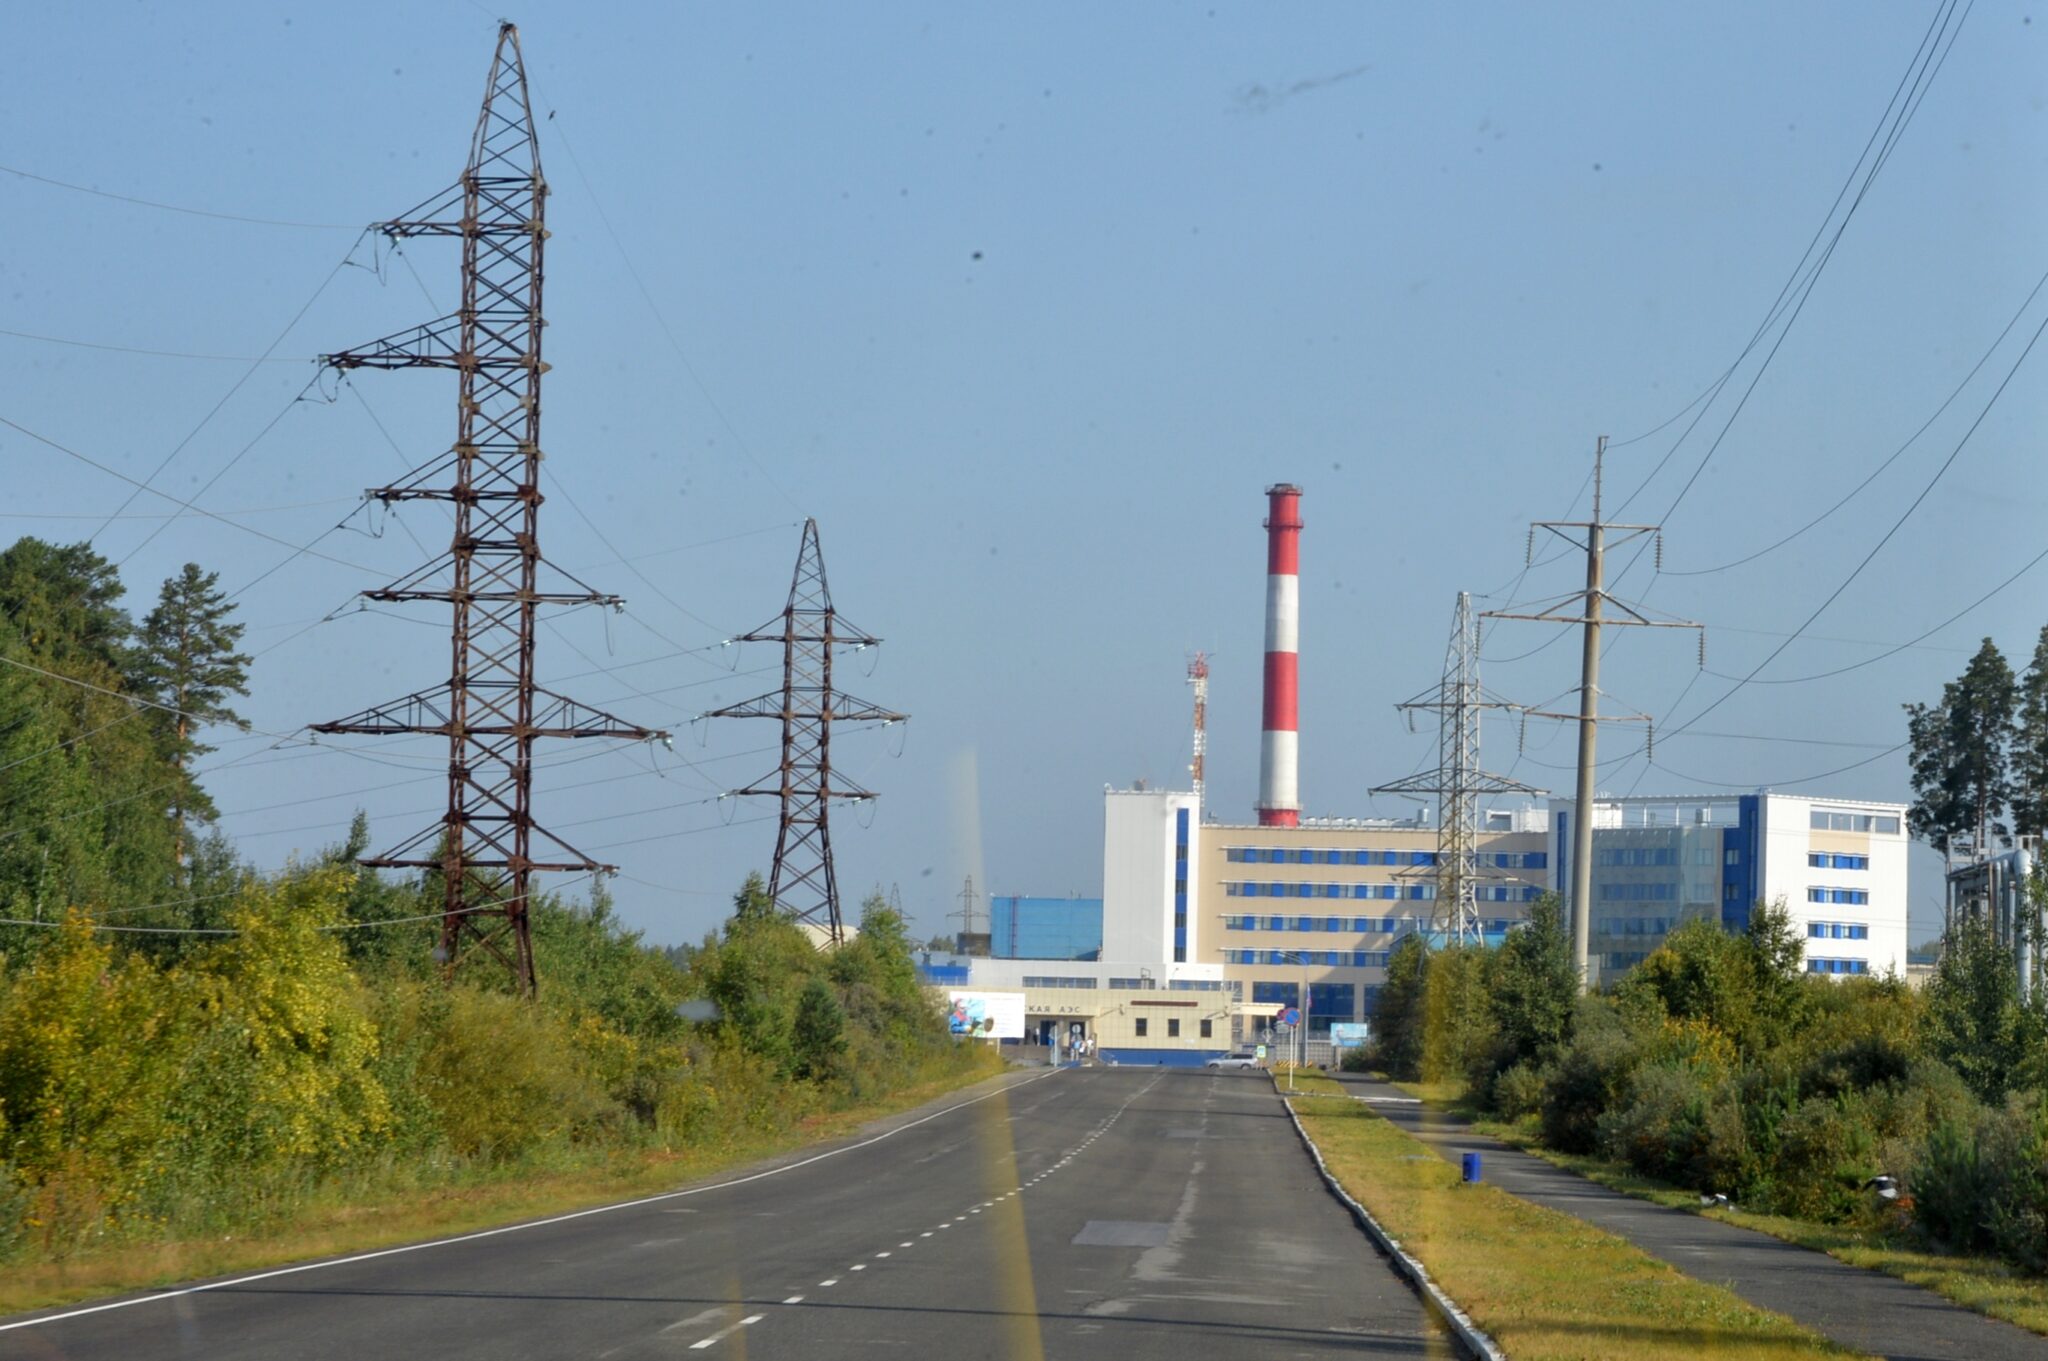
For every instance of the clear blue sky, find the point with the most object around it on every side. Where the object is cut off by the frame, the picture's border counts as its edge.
(1026, 306)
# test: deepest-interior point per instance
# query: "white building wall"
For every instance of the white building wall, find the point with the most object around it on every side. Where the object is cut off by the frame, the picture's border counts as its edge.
(1138, 844)
(1789, 841)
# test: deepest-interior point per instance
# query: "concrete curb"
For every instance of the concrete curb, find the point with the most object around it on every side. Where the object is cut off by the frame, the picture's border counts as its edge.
(1475, 1342)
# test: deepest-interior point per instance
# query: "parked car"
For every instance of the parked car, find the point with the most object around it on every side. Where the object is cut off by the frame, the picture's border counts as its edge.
(1243, 1058)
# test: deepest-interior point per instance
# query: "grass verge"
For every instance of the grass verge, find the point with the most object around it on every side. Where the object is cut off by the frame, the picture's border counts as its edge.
(1984, 1284)
(1544, 1285)
(346, 1220)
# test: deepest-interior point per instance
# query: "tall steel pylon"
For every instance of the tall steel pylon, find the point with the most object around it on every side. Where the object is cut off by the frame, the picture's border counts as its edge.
(1198, 677)
(1458, 780)
(489, 709)
(803, 882)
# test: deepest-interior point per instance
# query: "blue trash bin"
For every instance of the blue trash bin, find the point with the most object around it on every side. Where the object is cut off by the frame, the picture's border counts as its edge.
(1468, 1163)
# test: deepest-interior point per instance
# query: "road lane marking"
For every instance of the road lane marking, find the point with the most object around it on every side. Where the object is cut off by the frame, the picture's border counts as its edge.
(702, 1316)
(926, 1234)
(794, 1299)
(910, 1245)
(881, 1254)
(833, 1281)
(231, 1281)
(860, 1266)
(725, 1333)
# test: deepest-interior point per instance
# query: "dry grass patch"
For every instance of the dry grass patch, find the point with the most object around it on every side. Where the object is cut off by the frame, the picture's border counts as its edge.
(1544, 1285)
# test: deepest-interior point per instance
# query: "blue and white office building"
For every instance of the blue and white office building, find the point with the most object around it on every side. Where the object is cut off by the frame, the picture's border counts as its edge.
(1839, 866)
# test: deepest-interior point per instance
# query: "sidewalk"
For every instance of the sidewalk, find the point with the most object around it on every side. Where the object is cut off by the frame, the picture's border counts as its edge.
(1859, 1308)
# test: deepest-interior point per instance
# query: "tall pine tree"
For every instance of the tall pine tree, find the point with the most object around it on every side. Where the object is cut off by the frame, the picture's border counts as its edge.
(185, 660)
(2030, 747)
(1961, 773)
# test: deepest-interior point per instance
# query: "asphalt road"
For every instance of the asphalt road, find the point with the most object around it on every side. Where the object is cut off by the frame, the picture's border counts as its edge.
(1116, 1213)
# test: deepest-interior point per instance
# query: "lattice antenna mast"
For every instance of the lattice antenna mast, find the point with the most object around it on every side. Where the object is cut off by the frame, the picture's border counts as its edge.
(803, 882)
(490, 710)
(1458, 781)
(1198, 676)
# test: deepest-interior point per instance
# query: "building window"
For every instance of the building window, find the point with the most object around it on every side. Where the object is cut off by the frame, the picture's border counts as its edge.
(1206, 1029)
(1827, 820)
(1173, 1027)
(1141, 1023)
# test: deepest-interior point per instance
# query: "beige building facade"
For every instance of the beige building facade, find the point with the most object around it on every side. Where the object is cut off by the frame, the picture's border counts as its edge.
(1313, 911)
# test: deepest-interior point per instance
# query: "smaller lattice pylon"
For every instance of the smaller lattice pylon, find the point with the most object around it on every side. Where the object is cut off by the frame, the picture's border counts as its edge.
(803, 882)
(1458, 781)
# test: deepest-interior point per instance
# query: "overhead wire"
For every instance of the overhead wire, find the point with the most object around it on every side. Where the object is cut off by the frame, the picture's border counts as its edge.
(180, 208)
(1892, 458)
(562, 135)
(1928, 58)
(247, 374)
(1886, 538)
(116, 473)
(155, 354)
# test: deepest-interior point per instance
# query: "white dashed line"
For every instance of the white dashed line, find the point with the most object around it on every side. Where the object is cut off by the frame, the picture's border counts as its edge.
(881, 1254)
(910, 1245)
(794, 1299)
(926, 1234)
(723, 1334)
(833, 1281)
(859, 1266)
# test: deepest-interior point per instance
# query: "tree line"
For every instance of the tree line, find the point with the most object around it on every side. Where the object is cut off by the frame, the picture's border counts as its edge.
(1979, 754)
(249, 1047)
(1719, 1065)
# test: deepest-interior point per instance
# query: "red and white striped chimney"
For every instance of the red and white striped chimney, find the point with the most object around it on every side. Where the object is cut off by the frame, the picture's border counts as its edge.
(1279, 744)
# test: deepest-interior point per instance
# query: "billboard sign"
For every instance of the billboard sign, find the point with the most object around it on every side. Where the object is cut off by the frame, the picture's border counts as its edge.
(1347, 1033)
(987, 1015)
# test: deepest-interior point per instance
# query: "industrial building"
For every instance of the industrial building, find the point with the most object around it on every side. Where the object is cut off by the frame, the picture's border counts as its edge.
(1838, 865)
(1206, 930)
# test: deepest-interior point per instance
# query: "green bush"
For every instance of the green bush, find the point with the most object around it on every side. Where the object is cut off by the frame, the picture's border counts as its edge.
(1518, 1091)
(1660, 1128)
(1826, 1152)
(1983, 1185)
(1590, 1074)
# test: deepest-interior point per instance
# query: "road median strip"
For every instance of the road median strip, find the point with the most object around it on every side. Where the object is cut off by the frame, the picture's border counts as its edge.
(1516, 1280)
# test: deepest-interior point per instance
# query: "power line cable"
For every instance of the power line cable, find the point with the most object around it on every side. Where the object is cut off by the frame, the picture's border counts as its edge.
(1876, 472)
(155, 354)
(98, 466)
(562, 135)
(179, 208)
(1897, 524)
(247, 374)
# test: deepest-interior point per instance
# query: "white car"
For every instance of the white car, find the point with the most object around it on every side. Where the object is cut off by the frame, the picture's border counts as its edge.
(1244, 1058)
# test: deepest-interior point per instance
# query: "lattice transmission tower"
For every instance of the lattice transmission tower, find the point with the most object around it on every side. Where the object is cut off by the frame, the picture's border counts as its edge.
(489, 709)
(1458, 781)
(803, 882)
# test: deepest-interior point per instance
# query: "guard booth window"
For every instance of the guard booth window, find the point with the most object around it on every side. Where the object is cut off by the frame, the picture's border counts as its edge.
(1173, 1027)
(1141, 1027)
(1206, 1025)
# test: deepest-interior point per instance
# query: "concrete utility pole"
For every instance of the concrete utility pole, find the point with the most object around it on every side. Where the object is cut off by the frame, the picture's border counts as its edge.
(1590, 617)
